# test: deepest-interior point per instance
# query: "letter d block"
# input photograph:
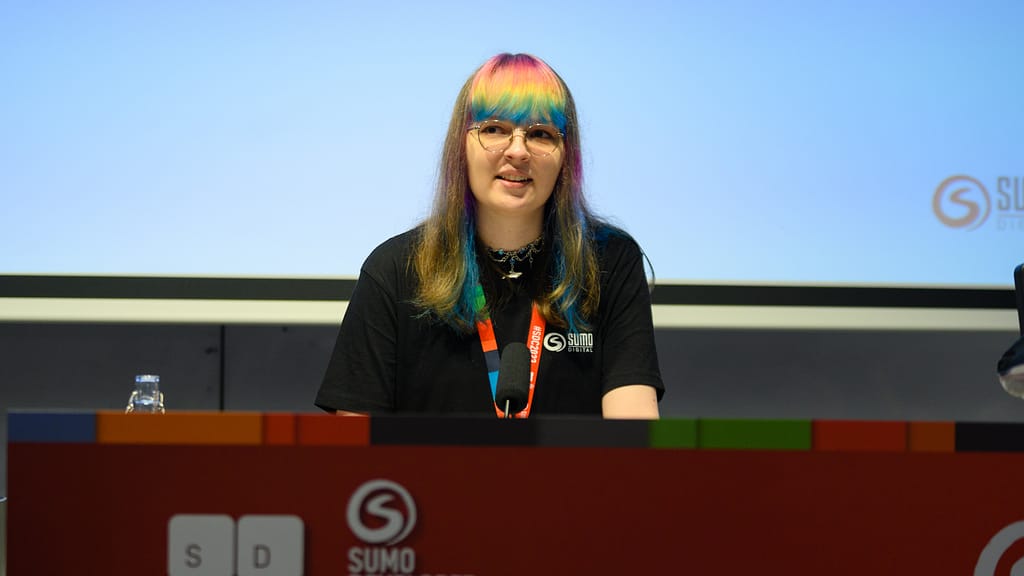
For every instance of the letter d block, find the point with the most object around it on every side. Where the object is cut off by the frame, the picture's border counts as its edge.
(270, 546)
(200, 545)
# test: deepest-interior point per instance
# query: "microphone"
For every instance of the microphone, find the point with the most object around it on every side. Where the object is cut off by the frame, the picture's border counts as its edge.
(513, 389)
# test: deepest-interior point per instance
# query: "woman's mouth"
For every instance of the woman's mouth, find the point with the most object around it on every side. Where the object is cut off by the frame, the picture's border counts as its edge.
(515, 178)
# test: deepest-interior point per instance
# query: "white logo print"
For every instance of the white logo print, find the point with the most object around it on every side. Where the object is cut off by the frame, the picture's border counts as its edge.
(997, 547)
(571, 342)
(554, 341)
(580, 342)
(373, 498)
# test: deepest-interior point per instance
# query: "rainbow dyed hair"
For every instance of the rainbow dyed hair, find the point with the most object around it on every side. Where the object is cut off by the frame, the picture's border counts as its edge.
(523, 89)
(519, 88)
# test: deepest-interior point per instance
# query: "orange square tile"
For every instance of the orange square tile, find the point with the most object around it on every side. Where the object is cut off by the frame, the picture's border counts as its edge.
(179, 428)
(932, 437)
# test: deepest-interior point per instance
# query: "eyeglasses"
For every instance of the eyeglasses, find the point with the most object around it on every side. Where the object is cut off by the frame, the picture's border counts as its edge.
(497, 135)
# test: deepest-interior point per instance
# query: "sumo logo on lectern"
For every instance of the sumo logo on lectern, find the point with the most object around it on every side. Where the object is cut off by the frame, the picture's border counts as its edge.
(381, 513)
(998, 547)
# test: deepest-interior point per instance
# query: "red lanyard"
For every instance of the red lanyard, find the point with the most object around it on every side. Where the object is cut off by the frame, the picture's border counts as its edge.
(534, 342)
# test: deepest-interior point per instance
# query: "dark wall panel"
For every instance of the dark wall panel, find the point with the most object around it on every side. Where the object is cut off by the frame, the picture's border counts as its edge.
(275, 368)
(893, 375)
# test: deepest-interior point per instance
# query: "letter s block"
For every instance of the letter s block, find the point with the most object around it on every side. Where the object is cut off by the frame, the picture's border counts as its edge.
(200, 545)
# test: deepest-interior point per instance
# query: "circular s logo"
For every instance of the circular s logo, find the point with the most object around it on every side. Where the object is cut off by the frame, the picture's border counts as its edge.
(554, 342)
(965, 193)
(377, 499)
(992, 556)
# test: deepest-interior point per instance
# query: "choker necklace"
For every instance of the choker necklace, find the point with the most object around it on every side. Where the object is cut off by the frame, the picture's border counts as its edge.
(511, 257)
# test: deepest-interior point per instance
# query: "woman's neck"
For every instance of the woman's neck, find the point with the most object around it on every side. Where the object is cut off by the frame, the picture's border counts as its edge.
(508, 233)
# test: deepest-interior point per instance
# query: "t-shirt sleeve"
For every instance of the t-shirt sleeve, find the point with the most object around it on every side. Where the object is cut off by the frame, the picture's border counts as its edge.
(630, 355)
(360, 376)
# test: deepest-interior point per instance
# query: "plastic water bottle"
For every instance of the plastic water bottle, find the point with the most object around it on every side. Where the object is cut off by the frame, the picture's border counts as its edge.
(147, 397)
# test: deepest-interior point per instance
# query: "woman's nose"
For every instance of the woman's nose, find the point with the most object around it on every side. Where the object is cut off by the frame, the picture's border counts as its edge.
(517, 148)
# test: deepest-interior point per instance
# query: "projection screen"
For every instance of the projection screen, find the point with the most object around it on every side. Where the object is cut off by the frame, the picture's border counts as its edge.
(823, 154)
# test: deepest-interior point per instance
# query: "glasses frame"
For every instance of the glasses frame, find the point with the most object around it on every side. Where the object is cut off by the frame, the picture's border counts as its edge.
(512, 136)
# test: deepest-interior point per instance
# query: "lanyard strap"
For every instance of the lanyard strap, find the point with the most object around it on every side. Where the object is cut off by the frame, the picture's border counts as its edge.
(489, 344)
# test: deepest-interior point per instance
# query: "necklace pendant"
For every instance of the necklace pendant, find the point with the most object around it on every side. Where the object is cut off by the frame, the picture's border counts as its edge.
(512, 257)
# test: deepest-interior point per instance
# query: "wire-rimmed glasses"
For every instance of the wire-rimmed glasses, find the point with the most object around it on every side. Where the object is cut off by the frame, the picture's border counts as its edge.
(497, 135)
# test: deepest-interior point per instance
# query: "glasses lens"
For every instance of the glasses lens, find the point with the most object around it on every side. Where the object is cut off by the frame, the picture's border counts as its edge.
(495, 136)
(542, 139)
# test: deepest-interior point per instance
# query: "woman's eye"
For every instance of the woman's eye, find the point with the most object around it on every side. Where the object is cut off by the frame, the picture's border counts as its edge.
(541, 134)
(494, 130)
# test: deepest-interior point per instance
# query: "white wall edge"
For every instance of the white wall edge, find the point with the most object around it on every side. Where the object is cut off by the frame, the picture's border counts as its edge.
(834, 318)
(665, 316)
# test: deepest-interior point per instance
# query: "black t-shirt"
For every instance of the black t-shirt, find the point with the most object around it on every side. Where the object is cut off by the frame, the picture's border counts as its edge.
(390, 357)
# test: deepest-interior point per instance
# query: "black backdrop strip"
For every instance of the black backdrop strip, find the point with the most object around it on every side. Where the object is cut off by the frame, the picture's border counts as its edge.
(174, 288)
(341, 289)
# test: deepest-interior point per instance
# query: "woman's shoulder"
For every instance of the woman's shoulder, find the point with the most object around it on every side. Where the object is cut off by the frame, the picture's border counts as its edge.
(393, 253)
(614, 242)
(397, 244)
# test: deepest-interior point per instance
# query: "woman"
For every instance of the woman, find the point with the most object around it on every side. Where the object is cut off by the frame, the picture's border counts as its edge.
(510, 253)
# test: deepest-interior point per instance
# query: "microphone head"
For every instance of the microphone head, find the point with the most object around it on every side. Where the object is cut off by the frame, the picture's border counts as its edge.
(513, 377)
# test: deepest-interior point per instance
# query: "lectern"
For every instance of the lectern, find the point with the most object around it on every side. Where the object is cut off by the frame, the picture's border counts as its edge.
(289, 494)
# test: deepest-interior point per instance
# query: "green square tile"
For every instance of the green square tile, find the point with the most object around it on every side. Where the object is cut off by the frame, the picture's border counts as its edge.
(754, 434)
(674, 433)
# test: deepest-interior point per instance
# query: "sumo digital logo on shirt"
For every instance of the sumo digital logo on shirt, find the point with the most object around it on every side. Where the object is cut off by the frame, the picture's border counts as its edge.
(963, 202)
(554, 342)
(571, 342)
